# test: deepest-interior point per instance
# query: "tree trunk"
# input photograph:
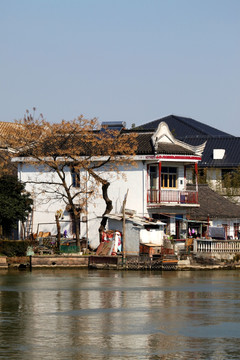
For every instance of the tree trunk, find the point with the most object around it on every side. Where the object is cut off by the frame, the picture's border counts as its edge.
(58, 231)
(76, 219)
(108, 209)
(108, 202)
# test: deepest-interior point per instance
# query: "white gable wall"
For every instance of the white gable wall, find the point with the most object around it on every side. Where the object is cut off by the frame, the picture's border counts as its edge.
(134, 180)
(46, 200)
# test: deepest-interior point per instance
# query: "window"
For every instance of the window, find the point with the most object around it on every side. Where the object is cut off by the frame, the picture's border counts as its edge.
(153, 171)
(169, 177)
(153, 177)
(75, 178)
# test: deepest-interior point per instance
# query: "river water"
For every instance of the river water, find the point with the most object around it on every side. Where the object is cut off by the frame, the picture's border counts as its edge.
(88, 314)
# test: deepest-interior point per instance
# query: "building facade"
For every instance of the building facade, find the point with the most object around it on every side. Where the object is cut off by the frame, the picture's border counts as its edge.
(156, 187)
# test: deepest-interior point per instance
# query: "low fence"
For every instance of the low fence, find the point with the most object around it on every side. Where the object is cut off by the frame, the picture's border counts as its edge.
(69, 249)
(216, 246)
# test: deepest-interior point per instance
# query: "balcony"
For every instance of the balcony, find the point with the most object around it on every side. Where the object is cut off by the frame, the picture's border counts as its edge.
(214, 247)
(172, 197)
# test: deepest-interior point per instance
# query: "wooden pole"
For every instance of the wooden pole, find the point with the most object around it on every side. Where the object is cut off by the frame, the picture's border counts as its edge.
(124, 227)
(30, 262)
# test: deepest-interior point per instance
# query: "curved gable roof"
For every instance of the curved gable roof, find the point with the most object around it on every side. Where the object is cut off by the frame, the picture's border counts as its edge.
(162, 141)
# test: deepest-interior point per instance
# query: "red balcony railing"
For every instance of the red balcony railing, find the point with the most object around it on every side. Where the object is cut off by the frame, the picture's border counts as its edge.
(172, 196)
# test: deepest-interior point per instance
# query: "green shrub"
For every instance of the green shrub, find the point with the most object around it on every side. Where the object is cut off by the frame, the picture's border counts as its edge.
(14, 247)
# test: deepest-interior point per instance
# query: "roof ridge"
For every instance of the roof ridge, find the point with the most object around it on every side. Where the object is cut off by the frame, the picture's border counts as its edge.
(208, 137)
(138, 130)
(193, 125)
(182, 120)
(139, 126)
(8, 122)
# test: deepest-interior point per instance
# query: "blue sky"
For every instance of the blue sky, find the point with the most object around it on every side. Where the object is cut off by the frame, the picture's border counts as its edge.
(121, 60)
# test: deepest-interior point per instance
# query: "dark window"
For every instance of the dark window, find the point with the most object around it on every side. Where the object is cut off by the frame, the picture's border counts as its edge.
(75, 178)
(153, 172)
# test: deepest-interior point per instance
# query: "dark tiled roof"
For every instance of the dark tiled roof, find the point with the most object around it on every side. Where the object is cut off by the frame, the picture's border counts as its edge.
(145, 143)
(169, 148)
(195, 133)
(145, 146)
(230, 144)
(213, 205)
(182, 127)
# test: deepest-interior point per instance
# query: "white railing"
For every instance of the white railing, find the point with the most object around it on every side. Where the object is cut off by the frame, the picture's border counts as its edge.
(216, 246)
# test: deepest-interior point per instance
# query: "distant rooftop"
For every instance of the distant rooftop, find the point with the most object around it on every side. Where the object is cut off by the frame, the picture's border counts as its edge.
(5, 129)
(114, 125)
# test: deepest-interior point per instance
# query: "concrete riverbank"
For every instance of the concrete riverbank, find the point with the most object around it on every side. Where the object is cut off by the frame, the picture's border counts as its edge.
(83, 261)
(45, 261)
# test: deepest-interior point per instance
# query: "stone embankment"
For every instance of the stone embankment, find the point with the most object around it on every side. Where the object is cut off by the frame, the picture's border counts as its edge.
(82, 261)
(184, 265)
(3, 262)
(48, 261)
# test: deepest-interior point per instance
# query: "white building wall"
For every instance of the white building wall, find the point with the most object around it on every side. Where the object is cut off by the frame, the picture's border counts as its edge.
(213, 177)
(181, 178)
(133, 181)
(47, 201)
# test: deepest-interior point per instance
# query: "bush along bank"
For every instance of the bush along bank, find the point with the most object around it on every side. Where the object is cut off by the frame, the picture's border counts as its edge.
(11, 248)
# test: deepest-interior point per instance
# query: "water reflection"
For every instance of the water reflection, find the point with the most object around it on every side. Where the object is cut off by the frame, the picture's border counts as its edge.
(119, 315)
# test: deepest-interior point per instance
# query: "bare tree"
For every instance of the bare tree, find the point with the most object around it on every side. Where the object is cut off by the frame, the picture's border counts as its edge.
(77, 146)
